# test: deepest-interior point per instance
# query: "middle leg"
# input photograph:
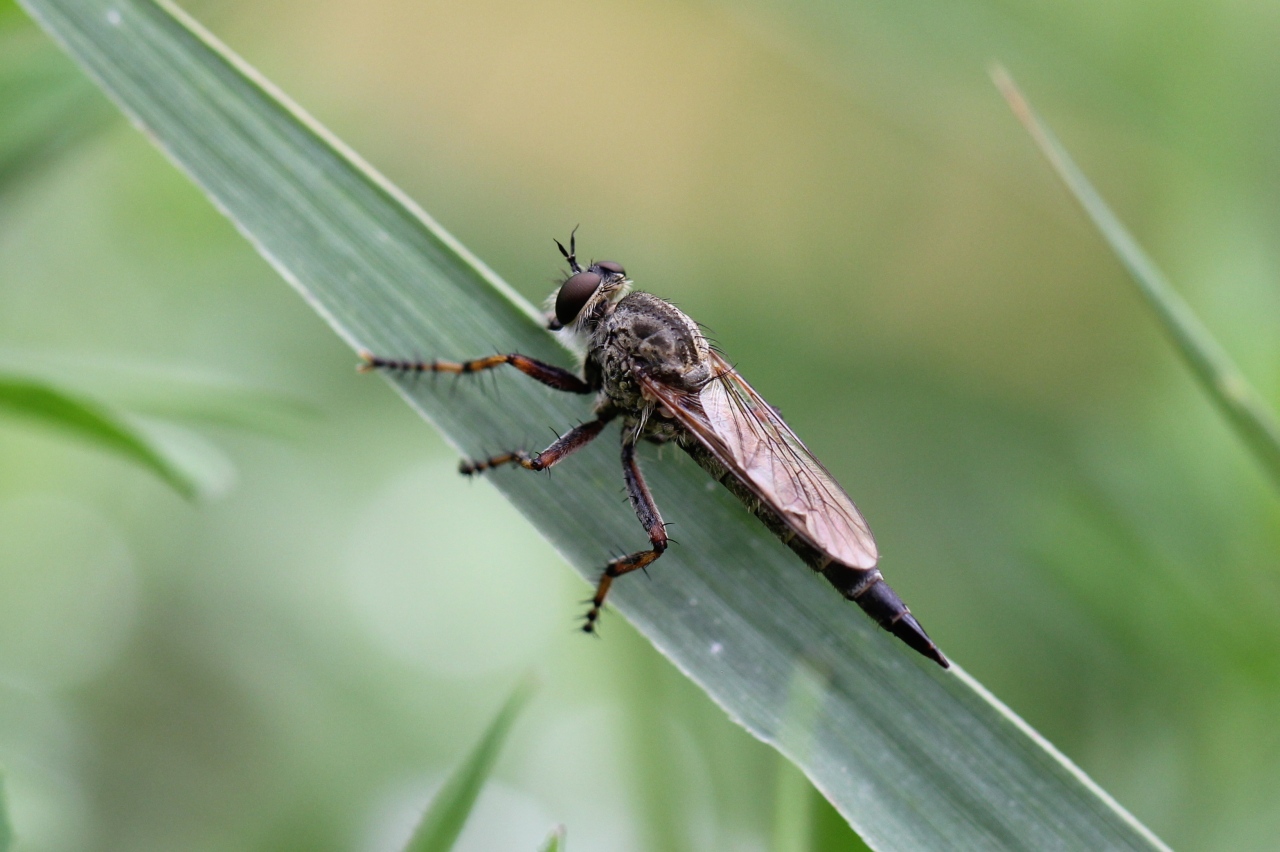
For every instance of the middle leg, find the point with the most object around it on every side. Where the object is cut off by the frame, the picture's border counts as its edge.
(647, 512)
(567, 444)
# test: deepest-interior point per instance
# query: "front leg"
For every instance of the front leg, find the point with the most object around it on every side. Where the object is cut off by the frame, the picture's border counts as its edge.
(550, 375)
(647, 512)
(567, 444)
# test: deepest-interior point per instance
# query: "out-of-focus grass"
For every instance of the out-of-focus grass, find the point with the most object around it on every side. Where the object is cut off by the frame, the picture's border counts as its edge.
(48, 106)
(91, 421)
(452, 804)
(1221, 378)
(555, 841)
(6, 833)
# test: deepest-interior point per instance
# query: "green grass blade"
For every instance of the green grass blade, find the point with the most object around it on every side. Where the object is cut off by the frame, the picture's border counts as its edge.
(46, 108)
(554, 841)
(95, 423)
(793, 805)
(792, 811)
(1243, 406)
(6, 832)
(171, 392)
(444, 818)
(913, 756)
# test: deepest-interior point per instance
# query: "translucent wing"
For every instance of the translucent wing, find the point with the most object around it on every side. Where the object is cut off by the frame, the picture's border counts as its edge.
(749, 438)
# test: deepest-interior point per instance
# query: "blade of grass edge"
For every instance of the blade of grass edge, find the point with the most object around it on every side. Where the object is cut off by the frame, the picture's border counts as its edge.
(95, 423)
(912, 756)
(1225, 384)
(445, 817)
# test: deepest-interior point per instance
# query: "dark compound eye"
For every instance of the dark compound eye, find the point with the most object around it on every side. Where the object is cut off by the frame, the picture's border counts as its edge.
(574, 295)
(610, 266)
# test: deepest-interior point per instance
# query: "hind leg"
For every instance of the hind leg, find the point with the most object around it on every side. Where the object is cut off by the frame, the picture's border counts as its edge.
(647, 512)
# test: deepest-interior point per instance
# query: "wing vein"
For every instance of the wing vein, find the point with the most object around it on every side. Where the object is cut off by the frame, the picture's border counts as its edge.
(750, 438)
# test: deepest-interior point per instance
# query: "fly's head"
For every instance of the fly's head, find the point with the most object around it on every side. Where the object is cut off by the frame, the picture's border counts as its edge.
(587, 295)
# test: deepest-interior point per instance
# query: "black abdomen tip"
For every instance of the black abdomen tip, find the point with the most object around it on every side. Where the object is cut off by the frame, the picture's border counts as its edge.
(909, 630)
(882, 603)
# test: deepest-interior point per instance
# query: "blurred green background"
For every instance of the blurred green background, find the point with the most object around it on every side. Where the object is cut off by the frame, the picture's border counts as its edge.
(838, 192)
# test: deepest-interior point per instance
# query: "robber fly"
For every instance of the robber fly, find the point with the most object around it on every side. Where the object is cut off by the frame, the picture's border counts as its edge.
(650, 366)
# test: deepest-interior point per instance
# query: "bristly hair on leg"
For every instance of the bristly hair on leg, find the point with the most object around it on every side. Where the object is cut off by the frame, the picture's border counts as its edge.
(417, 374)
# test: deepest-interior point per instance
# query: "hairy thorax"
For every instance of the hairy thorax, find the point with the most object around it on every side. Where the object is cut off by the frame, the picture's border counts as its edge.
(644, 334)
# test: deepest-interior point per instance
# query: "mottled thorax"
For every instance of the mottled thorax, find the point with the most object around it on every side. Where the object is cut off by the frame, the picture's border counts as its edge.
(647, 334)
